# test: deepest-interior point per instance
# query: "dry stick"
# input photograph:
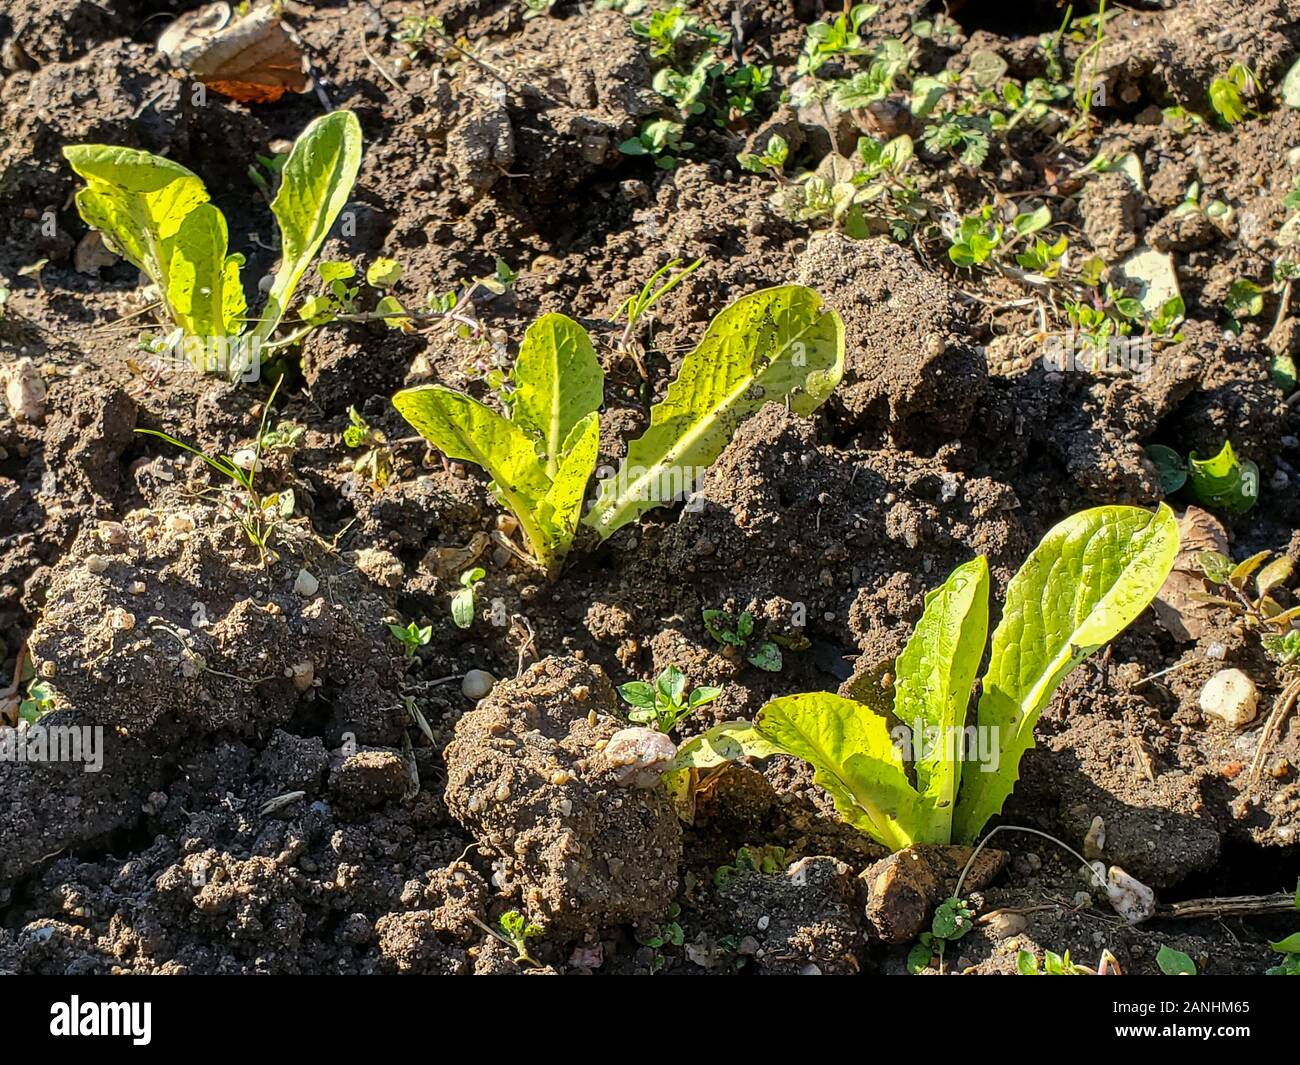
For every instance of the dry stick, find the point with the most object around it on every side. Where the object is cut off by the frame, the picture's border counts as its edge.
(365, 50)
(1230, 906)
(1272, 728)
(1100, 882)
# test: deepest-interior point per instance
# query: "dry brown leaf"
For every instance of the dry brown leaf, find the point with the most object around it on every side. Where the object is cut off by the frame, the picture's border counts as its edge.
(251, 59)
(1177, 605)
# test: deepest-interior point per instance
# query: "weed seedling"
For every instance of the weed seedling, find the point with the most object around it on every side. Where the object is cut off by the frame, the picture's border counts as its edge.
(636, 307)
(1173, 962)
(1053, 965)
(258, 515)
(1223, 482)
(767, 859)
(737, 631)
(518, 930)
(38, 702)
(375, 462)
(771, 160)
(1262, 613)
(662, 705)
(462, 602)
(411, 636)
(1227, 94)
(1289, 948)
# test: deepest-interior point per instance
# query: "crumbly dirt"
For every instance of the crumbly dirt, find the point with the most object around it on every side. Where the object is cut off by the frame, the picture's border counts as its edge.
(284, 790)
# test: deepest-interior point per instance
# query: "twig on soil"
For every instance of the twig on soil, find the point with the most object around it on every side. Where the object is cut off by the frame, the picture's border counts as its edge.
(1033, 832)
(1164, 672)
(365, 50)
(1283, 706)
(1230, 906)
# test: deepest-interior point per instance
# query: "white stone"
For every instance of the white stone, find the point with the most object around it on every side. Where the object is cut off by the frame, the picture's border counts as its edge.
(1230, 695)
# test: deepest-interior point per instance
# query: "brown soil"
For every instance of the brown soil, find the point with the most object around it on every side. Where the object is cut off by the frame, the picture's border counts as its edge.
(284, 792)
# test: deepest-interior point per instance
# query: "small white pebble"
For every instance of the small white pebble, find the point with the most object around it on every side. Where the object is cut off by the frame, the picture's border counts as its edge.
(306, 584)
(1230, 695)
(96, 563)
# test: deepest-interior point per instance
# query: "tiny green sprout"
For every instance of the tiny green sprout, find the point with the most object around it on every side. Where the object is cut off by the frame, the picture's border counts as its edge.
(267, 182)
(375, 462)
(518, 930)
(738, 631)
(35, 270)
(412, 637)
(1289, 948)
(976, 239)
(1053, 965)
(635, 308)
(661, 139)
(1258, 608)
(1226, 93)
(953, 919)
(258, 515)
(462, 602)
(670, 933)
(1245, 299)
(1181, 120)
(1042, 258)
(662, 705)
(772, 158)
(838, 37)
(38, 702)
(286, 436)
(1173, 962)
(1224, 481)
(767, 859)
(963, 137)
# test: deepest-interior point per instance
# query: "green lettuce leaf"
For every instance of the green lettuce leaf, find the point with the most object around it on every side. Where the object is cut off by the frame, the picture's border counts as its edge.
(1224, 481)
(463, 428)
(139, 202)
(853, 757)
(561, 507)
(935, 674)
(558, 382)
(778, 343)
(315, 183)
(202, 280)
(541, 458)
(1091, 576)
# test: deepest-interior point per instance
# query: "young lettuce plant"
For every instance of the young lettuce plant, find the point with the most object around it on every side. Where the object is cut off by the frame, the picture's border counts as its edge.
(1091, 575)
(775, 344)
(540, 457)
(158, 216)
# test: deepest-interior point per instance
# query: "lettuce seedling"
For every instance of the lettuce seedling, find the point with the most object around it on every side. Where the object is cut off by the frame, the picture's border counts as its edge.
(540, 457)
(776, 344)
(156, 214)
(1091, 575)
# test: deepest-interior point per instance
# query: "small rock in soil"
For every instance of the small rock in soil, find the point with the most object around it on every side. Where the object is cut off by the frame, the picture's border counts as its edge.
(902, 890)
(1231, 696)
